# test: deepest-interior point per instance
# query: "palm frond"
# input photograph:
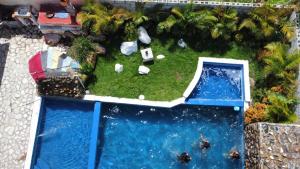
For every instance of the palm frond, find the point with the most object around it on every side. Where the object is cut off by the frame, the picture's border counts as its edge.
(247, 23)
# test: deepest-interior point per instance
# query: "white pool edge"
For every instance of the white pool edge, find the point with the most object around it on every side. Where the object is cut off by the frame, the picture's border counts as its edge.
(165, 104)
(33, 129)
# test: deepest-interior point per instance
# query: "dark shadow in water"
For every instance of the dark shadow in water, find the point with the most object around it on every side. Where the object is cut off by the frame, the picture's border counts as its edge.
(3, 56)
(100, 141)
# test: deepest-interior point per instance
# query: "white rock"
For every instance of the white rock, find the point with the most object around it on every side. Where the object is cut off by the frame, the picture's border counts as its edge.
(127, 48)
(119, 68)
(159, 57)
(143, 35)
(181, 43)
(141, 97)
(143, 70)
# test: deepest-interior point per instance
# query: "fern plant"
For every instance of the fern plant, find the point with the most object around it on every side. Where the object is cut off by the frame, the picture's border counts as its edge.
(280, 109)
(280, 62)
(265, 22)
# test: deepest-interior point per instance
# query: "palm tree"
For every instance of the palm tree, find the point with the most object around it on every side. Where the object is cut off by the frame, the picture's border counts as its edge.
(263, 22)
(279, 61)
(226, 23)
(282, 66)
(99, 20)
(187, 20)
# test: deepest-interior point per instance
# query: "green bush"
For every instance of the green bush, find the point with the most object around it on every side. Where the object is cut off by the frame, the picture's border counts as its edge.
(281, 109)
(80, 49)
(83, 50)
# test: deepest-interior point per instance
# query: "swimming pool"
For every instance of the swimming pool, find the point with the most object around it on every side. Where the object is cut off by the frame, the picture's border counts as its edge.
(219, 82)
(151, 138)
(124, 133)
(64, 135)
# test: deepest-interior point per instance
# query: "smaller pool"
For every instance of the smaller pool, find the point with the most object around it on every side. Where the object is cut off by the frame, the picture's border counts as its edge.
(219, 82)
(64, 135)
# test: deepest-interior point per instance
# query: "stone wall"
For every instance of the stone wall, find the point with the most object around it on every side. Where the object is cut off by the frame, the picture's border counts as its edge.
(61, 86)
(270, 145)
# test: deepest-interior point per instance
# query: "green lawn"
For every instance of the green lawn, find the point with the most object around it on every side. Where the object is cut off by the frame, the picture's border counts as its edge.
(167, 79)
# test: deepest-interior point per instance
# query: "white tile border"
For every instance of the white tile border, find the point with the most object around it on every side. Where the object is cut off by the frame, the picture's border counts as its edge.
(165, 104)
(33, 129)
(110, 99)
(195, 80)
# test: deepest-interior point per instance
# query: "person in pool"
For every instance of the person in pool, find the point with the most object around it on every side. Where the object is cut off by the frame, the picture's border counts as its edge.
(204, 143)
(184, 157)
(234, 154)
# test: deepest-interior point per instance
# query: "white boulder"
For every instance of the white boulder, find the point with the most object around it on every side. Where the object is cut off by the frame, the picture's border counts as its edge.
(119, 68)
(143, 70)
(141, 97)
(127, 48)
(181, 43)
(143, 35)
(159, 57)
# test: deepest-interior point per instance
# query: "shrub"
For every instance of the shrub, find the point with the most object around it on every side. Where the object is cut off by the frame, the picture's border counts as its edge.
(280, 109)
(84, 51)
(256, 113)
(80, 49)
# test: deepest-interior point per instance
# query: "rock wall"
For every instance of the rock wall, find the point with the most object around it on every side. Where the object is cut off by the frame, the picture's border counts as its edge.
(270, 145)
(61, 86)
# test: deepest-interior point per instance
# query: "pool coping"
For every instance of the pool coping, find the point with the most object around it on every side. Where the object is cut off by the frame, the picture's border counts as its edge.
(33, 130)
(166, 104)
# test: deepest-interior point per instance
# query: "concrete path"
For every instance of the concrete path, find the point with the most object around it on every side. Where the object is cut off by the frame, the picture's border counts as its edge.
(17, 91)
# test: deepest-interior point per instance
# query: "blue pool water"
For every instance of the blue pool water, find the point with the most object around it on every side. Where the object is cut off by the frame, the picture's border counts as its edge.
(64, 135)
(219, 82)
(133, 137)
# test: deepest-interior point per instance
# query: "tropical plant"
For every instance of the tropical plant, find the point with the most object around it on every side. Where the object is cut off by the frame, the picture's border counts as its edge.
(187, 20)
(279, 62)
(266, 21)
(255, 113)
(280, 109)
(226, 22)
(100, 20)
(137, 18)
(281, 68)
(84, 51)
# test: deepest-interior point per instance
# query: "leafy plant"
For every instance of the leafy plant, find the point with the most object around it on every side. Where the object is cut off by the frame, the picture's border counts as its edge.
(280, 109)
(187, 20)
(279, 62)
(84, 51)
(226, 24)
(99, 20)
(137, 18)
(256, 113)
(80, 49)
(266, 21)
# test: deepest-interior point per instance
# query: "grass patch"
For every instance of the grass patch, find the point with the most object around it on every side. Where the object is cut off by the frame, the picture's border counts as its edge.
(167, 79)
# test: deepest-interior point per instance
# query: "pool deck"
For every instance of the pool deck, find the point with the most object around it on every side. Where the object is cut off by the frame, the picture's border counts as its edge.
(17, 93)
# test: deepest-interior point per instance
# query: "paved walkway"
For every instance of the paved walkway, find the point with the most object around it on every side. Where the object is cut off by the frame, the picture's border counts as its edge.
(17, 93)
